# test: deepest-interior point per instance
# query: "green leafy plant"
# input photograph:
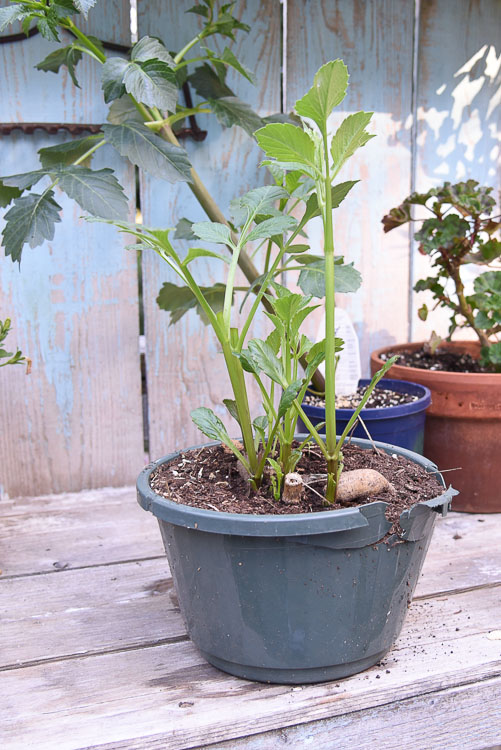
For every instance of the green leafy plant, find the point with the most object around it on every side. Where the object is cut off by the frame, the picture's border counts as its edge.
(308, 161)
(10, 358)
(145, 110)
(460, 231)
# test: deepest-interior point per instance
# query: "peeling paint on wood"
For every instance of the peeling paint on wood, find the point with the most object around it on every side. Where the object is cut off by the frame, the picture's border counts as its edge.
(76, 420)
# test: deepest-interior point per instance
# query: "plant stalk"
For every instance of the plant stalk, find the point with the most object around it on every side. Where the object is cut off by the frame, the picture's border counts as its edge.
(330, 336)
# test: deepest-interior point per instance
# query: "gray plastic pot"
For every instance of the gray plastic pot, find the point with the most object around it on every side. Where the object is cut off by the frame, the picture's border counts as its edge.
(295, 598)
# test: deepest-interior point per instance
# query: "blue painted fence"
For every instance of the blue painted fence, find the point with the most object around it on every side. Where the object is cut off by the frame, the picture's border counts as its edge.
(431, 73)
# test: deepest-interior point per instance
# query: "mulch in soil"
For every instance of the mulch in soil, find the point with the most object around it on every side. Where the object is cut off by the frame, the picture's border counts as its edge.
(380, 398)
(443, 361)
(209, 478)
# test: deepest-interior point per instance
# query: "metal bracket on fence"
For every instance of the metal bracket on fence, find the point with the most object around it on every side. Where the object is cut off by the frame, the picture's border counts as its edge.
(74, 128)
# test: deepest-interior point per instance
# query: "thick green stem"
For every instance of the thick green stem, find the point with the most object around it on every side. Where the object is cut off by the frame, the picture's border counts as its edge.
(330, 336)
(236, 374)
(85, 40)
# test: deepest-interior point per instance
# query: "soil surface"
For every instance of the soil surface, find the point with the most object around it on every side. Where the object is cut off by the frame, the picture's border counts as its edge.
(442, 360)
(379, 399)
(209, 478)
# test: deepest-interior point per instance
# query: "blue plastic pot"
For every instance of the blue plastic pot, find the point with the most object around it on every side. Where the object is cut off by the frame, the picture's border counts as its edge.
(398, 425)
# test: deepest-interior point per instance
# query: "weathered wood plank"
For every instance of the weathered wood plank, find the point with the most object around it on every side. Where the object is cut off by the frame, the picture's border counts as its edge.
(169, 694)
(458, 111)
(466, 717)
(184, 366)
(75, 530)
(89, 611)
(464, 552)
(30, 95)
(75, 303)
(375, 41)
(107, 606)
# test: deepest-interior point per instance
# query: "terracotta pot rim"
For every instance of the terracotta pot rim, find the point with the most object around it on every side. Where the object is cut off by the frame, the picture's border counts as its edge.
(410, 373)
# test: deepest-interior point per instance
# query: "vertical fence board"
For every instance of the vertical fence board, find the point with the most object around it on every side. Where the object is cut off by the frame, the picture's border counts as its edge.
(184, 366)
(76, 420)
(375, 41)
(459, 110)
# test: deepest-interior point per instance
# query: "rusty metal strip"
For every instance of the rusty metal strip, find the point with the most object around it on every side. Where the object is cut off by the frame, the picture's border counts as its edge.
(6, 128)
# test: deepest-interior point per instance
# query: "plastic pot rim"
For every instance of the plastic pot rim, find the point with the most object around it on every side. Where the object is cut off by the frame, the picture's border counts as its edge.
(386, 412)
(293, 524)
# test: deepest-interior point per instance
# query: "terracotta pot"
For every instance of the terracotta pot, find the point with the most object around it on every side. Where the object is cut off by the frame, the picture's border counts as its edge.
(463, 426)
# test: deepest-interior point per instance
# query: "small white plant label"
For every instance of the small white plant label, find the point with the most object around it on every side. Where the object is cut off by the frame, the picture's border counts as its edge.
(349, 370)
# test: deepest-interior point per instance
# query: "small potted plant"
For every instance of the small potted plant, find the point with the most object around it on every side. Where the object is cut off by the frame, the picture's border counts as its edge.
(463, 428)
(286, 564)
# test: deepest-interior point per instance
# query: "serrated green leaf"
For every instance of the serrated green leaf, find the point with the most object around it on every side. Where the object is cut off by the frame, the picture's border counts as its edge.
(261, 426)
(97, 192)
(179, 299)
(10, 14)
(123, 110)
(149, 152)
(271, 227)
(200, 10)
(30, 220)
(211, 231)
(350, 136)
(276, 466)
(312, 279)
(207, 83)
(7, 194)
(257, 201)
(490, 250)
(230, 110)
(231, 405)
(84, 5)
(288, 397)
(64, 8)
(68, 56)
(112, 74)
(229, 58)
(328, 90)
(149, 48)
(201, 252)
(338, 194)
(288, 145)
(266, 360)
(68, 152)
(211, 426)
(48, 26)
(488, 283)
(492, 354)
(184, 230)
(25, 180)
(152, 82)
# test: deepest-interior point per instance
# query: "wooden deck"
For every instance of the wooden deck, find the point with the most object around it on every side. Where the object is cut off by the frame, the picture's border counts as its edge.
(94, 653)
